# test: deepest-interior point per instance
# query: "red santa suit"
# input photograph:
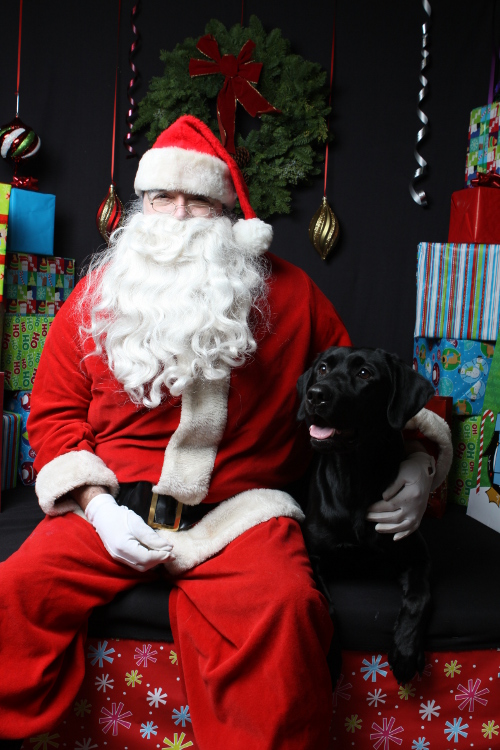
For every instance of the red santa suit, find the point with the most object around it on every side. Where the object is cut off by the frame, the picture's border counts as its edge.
(248, 623)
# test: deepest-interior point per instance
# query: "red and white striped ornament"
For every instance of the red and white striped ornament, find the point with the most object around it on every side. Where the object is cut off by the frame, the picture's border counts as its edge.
(487, 413)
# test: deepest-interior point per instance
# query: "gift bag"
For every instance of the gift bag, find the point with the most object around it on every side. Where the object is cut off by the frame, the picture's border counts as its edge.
(484, 497)
(31, 222)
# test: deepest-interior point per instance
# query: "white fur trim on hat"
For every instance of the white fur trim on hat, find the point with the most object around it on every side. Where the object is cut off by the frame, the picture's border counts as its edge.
(225, 523)
(435, 428)
(65, 473)
(173, 168)
(253, 234)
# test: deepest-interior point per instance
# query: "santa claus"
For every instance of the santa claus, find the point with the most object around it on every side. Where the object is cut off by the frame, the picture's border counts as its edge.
(164, 421)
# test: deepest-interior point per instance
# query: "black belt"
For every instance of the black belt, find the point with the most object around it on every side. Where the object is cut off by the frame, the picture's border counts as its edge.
(160, 511)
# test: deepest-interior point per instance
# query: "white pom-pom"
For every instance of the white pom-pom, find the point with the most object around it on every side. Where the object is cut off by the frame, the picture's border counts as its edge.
(253, 235)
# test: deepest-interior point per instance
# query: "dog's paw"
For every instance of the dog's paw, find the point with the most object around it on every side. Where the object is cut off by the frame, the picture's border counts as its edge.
(406, 665)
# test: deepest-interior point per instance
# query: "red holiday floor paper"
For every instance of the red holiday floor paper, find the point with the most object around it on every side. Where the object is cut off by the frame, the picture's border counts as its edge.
(132, 698)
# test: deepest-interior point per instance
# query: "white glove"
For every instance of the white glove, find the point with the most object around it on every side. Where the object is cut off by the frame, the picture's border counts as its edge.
(125, 535)
(403, 503)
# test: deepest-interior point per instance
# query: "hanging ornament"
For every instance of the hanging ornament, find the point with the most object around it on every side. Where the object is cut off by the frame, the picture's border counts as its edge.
(240, 73)
(420, 197)
(109, 214)
(324, 229)
(18, 141)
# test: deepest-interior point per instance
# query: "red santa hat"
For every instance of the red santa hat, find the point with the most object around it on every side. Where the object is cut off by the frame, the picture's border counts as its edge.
(188, 157)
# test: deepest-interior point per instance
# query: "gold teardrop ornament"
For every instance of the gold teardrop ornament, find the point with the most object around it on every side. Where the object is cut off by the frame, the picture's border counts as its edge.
(324, 229)
(109, 214)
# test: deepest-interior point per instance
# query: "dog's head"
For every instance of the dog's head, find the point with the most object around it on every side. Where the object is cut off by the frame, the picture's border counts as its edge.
(351, 394)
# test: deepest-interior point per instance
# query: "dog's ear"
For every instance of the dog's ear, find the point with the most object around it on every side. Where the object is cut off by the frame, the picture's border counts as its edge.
(410, 392)
(303, 384)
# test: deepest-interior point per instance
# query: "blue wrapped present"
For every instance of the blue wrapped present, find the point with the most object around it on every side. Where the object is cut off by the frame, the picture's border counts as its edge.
(31, 222)
(19, 403)
(456, 367)
(10, 449)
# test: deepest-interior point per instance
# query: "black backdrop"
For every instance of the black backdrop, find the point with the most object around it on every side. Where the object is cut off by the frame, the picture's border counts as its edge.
(67, 88)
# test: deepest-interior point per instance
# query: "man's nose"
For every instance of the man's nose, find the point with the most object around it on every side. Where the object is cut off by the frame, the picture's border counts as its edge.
(180, 207)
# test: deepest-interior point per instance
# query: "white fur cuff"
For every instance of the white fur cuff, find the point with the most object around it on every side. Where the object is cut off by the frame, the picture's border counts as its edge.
(225, 523)
(435, 428)
(64, 473)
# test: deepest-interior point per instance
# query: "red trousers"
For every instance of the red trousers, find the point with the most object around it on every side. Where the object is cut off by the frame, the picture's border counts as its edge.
(250, 630)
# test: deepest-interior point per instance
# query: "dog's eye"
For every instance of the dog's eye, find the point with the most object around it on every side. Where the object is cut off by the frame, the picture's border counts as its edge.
(323, 369)
(364, 374)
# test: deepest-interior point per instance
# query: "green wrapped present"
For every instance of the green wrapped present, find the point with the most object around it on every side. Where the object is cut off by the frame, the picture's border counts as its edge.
(22, 344)
(465, 433)
(4, 216)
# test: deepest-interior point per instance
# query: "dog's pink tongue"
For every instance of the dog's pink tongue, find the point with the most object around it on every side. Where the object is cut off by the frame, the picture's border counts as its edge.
(321, 433)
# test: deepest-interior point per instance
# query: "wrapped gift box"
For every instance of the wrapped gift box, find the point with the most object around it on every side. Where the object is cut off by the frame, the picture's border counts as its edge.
(475, 215)
(483, 152)
(458, 291)
(31, 222)
(19, 403)
(22, 344)
(37, 283)
(10, 449)
(456, 368)
(462, 477)
(484, 496)
(4, 217)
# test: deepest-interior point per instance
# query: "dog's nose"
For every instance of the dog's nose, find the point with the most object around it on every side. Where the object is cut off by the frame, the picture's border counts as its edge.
(319, 394)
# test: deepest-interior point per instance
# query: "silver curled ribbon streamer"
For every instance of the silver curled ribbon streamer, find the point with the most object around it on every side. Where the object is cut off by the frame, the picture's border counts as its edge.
(132, 110)
(420, 197)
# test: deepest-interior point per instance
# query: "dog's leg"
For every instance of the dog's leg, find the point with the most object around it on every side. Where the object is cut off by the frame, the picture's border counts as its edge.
(406, 656)
(334, 656)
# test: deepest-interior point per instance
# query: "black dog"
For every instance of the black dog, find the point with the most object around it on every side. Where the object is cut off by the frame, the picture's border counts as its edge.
(356, 402)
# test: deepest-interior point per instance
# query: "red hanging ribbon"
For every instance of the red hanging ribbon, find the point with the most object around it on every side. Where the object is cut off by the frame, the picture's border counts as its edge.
(19, 55)
(330, 96)
(240, 73)
(116, 93)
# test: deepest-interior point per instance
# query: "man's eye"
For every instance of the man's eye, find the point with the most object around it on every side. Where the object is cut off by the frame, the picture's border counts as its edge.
(364, 374)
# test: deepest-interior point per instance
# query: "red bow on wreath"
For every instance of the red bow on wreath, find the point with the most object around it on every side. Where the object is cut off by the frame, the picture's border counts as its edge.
(240, 73)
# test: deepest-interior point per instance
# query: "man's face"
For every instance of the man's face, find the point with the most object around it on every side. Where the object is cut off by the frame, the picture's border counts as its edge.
(181, 205)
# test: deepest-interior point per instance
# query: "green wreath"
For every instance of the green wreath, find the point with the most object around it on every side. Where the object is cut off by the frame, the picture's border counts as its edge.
(287, 148)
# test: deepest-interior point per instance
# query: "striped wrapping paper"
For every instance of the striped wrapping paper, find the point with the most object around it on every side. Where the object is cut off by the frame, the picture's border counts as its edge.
(458, 291)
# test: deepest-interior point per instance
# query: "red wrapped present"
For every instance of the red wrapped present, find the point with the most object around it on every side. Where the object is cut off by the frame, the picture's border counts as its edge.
(475, 213)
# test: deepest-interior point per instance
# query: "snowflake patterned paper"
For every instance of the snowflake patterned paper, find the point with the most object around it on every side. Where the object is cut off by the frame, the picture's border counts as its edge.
(131, 697)
(455, 703)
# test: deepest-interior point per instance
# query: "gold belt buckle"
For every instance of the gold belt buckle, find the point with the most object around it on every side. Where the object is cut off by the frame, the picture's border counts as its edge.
(152, 512)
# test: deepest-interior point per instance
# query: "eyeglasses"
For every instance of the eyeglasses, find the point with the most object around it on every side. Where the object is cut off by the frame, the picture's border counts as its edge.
(164, 204)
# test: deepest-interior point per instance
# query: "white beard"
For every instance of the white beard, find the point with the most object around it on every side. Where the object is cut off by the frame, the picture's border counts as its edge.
(173, 303)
